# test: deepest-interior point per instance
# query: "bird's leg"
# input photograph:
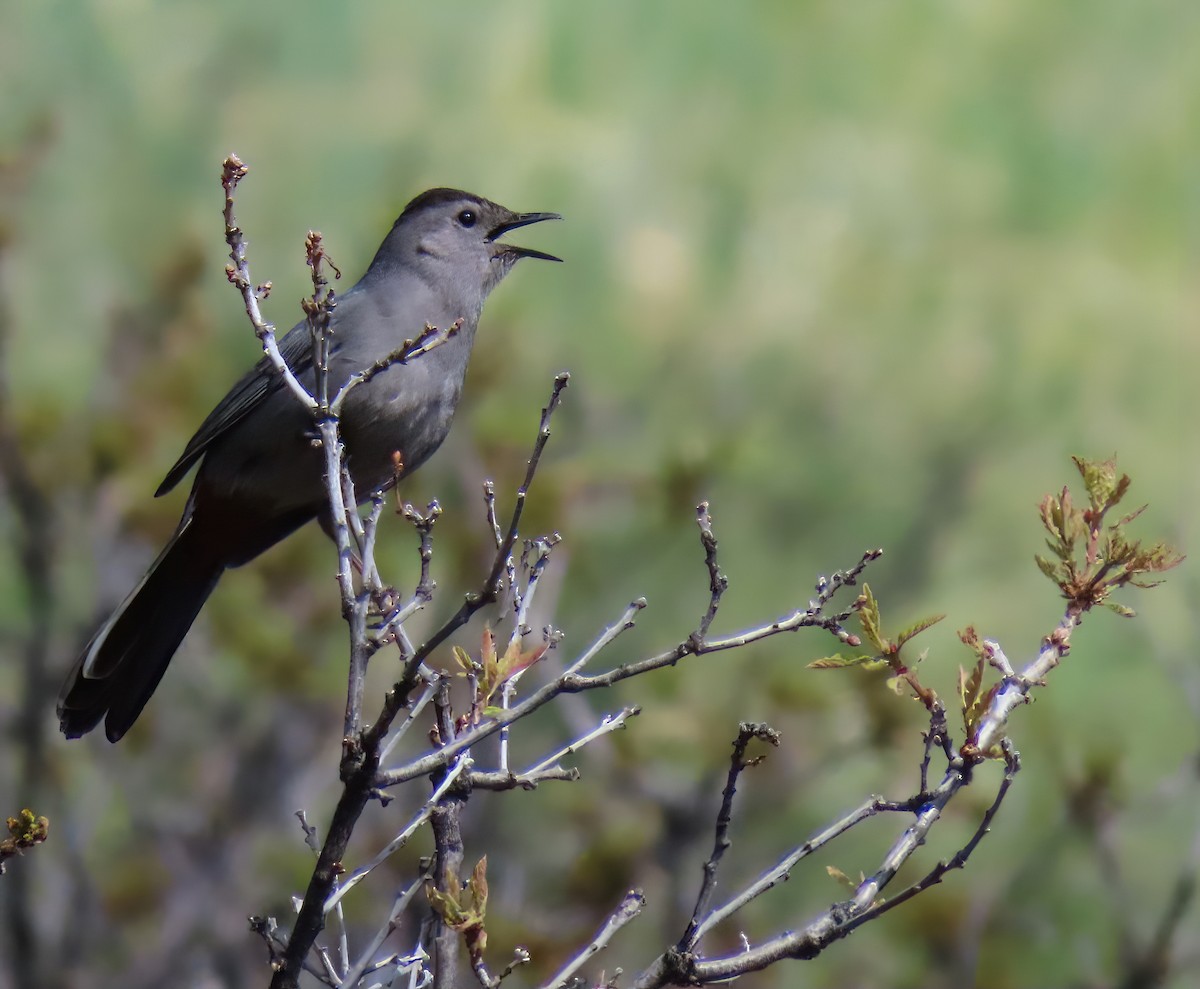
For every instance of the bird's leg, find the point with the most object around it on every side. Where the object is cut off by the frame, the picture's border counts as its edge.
(397, 473)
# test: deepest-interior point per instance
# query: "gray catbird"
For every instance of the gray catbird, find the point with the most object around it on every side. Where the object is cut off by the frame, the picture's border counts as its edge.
(260, 477)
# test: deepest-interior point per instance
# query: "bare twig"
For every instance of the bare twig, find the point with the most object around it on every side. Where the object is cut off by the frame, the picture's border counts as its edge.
(268, 930)
(737, 763)
(718, 583)
(365, 960)
(959, 859)
(780, 871)
(611, 723)
(238, 272)
(448, 780)
(489, 498)
(414, 711)
(628, 908)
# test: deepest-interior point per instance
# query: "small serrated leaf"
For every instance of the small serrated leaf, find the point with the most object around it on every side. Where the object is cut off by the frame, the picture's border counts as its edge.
(1120, 609)
(838, 662)
(1047, 511)
(1131, 516)
(1048, 568)
(917, 628)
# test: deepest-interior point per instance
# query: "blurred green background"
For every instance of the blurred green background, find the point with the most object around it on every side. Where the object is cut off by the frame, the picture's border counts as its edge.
(859, 274)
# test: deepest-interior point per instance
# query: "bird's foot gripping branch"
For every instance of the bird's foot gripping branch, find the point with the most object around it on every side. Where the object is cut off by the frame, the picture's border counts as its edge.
(439, 917)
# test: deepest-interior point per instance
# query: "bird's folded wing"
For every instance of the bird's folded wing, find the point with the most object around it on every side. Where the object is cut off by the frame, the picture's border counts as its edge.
(259, 382)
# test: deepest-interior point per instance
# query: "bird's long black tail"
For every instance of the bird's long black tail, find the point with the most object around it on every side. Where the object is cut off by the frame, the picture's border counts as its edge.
(128, 656)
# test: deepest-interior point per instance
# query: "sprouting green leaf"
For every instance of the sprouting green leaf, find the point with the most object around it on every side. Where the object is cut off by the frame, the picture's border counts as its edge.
(487, 651)
(841, 878)
(917, 628)
(844, 880)
(969, 684)
(1100, 479)
(463, 659)
(1051, 570)
(1097, 557)
(868, 616)
(839, 662)
(479, 887)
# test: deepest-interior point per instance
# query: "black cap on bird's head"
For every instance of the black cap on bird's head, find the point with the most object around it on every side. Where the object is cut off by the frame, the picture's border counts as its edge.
(461, 231)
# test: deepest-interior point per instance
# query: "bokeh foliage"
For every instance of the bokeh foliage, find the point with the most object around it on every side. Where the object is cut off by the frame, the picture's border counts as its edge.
(860, 274)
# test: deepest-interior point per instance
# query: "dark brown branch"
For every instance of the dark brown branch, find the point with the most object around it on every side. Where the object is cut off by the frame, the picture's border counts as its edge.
(721, 842)
(718, 583)
(311, 919)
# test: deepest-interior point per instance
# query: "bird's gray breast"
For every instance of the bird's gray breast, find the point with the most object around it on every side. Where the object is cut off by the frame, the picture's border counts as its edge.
(402, 415)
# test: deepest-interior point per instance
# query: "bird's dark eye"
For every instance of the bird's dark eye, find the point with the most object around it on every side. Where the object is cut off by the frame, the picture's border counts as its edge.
(467, 218)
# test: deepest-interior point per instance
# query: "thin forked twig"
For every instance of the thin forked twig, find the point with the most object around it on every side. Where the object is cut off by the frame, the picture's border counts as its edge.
(721, 842)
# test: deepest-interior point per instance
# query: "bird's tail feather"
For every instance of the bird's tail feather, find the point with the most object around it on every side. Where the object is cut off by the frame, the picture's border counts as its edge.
(128, 656)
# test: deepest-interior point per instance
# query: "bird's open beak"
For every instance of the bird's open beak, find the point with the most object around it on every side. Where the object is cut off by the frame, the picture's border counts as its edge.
(523, 220)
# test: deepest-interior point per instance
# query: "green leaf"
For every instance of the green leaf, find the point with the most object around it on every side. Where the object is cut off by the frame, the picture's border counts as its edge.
(841, 878)
(479, 887)
(839, 662)
(1048, 568)
(868, 617)
(463, 659)
(969, 684)
(1100, 479)
(917, 628)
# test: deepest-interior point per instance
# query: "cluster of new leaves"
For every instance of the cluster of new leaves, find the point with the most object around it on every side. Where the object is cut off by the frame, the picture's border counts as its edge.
(1093, 558)
(463, 907)
(888, 651)
(24, 831)
(974, 698)
(493, 671)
